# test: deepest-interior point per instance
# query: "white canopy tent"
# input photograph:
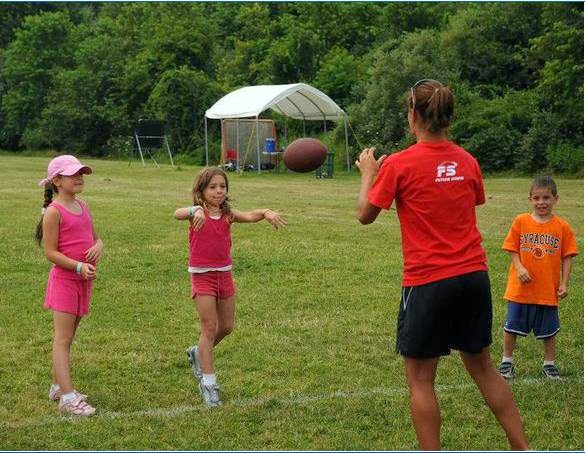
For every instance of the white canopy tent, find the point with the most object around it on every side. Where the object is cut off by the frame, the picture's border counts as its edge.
(297, 100)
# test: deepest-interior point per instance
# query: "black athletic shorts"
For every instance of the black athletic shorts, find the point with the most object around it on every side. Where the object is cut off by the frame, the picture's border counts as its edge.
(454, 313)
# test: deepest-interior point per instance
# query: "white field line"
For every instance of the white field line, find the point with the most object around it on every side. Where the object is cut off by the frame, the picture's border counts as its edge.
(178, 411)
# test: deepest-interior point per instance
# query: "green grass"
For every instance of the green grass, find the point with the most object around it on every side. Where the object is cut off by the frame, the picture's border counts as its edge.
(310, 365)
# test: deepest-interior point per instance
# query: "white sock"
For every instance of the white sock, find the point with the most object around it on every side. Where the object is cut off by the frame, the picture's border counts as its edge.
(548, 362)
(508, 359)
(209, 379)
(68, 397)
(55, 387)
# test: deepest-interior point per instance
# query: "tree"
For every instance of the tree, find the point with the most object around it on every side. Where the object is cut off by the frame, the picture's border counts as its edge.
(40, 49)
(339, 72)
(380, 119)
(488, 43)
(180, 98)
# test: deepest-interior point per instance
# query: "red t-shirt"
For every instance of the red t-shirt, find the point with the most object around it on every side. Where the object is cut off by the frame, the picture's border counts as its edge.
(436, 186)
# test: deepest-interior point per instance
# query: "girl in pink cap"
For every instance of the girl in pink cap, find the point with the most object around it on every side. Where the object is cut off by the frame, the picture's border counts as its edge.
(72, 245)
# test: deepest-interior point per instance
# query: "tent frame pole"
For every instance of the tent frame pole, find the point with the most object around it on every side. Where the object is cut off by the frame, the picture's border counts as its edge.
(346, 144)
(258, 142)
(206, 146)
(237, 144)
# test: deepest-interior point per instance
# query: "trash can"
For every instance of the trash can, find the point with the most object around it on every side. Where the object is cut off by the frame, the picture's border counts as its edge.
(326, 170)
(270, 145)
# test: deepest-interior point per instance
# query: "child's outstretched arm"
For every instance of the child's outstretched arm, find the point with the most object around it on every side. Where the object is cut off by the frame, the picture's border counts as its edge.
(522, 272)
(566, 266)
(194, 214)
(272, 217)
(51, 221)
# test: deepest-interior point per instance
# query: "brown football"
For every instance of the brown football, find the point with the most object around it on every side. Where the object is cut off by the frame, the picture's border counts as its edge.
(304, 155)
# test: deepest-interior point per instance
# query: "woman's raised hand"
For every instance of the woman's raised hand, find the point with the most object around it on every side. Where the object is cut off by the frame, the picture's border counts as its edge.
(367, 163)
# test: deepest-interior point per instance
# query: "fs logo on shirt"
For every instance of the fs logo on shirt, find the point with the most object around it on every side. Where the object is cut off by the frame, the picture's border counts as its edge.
(447, 172)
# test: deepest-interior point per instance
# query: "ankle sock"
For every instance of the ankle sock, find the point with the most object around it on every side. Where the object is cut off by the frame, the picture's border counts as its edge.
(209, 379)
(68, 397)
(55, 387)
(508, 359)
(548, 362)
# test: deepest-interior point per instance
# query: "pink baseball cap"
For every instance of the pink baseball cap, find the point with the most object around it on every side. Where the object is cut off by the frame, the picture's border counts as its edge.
(65, 165)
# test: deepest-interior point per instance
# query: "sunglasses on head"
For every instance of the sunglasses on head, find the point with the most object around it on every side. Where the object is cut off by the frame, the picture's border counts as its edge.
(416, 85)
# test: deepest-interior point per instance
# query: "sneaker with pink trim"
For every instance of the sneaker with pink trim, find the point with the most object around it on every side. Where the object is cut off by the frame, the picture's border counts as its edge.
(55, 394)
(78, 407)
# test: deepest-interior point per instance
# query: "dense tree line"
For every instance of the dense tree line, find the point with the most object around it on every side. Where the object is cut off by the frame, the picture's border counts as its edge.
(77, 76)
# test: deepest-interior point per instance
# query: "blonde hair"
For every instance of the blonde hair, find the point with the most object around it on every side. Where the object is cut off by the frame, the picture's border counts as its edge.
(202, 180)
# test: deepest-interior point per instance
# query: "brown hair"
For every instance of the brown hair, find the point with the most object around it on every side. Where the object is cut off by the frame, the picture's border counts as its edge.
(544, 182)
(433, 102)
(49, 190)
(202, 180)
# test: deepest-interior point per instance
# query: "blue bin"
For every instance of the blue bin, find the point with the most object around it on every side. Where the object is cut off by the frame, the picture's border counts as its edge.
(270, 145)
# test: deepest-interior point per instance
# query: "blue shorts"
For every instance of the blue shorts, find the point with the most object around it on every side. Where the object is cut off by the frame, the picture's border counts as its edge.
(542, 319)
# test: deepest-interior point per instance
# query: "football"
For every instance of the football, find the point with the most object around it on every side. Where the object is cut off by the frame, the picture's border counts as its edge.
(304, 155)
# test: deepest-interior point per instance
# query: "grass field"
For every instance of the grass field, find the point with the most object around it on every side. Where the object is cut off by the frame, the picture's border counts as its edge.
(311, 364)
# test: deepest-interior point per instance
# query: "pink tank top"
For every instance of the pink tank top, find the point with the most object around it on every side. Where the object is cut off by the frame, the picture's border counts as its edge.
(75, 237)
(211, 245)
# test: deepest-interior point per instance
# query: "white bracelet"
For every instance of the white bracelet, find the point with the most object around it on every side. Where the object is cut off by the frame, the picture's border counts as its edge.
(193, 210)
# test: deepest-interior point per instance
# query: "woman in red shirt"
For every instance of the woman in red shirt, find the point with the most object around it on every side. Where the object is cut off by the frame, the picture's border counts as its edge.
(446, 297)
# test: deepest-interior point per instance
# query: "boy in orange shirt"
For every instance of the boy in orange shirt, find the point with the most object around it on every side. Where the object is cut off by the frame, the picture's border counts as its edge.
(541, 247)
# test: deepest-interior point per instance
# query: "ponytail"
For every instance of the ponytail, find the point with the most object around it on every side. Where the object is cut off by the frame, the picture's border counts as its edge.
(49, 190)
(433, 102)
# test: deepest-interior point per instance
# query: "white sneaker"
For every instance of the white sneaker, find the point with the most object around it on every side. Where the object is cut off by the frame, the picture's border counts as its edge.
(210, 394)
(193, 356)
(77, 407)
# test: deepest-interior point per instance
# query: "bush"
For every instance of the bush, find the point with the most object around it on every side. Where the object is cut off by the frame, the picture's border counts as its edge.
(493, 129)
(119, 147)
(565, 157)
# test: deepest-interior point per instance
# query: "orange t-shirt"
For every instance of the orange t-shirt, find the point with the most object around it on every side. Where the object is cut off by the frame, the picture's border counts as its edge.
(541, 247)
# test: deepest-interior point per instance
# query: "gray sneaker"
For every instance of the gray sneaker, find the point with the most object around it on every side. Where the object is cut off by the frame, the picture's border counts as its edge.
(551, 372)
(210, 394)
(193, 356)
(507, 370)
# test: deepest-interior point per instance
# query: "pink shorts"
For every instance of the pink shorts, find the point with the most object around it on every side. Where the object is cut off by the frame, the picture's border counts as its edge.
(68, 296)
(214, 283)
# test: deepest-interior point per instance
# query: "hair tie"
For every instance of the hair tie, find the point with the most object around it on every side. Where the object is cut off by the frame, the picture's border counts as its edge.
(437, 90)
(43, 211)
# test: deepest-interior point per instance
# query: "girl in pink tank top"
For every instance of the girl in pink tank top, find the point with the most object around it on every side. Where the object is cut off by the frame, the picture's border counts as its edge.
(72, 245)
(210, 265)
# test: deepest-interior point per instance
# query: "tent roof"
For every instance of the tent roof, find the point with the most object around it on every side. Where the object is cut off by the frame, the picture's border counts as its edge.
(297, 100)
